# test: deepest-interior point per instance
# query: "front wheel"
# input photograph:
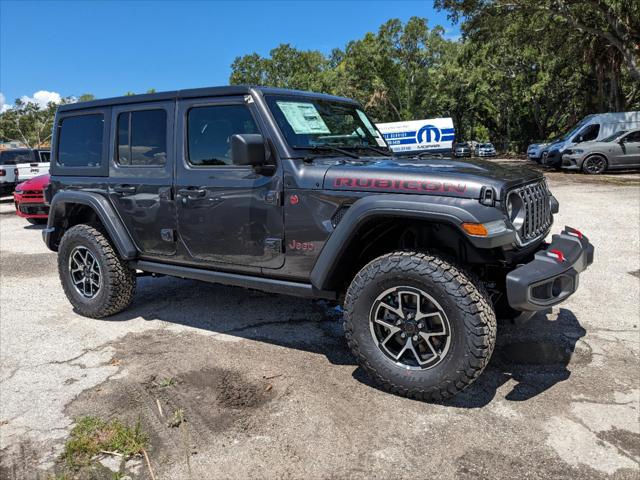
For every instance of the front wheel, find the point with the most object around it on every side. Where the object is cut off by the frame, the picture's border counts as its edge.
(96, 281)
(594, 165)
(419, 326)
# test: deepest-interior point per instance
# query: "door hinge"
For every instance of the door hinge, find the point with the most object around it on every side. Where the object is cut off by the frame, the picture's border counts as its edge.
(168, 235)
(273, 245)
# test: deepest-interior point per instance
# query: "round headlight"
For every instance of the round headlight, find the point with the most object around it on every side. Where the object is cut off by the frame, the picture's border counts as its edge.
(515, 210)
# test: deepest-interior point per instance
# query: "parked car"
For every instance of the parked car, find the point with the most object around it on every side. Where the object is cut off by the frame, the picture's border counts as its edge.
(462, 149)
(485, 150)
(270, 189)
(21, 164)
(618, 151)
(592, 128)
(28, 198)
(535, 151)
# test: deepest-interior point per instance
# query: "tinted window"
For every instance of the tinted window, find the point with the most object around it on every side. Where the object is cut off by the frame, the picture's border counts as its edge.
(210, 130)
(16, 156)
(590, 133)
(142, 138)
(633, 137)
(80, 141)
(45, 157)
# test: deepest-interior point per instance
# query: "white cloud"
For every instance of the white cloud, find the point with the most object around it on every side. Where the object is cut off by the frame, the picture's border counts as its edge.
(3, 106)
(42, 98)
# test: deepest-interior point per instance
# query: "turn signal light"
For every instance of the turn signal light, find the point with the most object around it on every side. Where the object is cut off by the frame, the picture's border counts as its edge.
(477, 229)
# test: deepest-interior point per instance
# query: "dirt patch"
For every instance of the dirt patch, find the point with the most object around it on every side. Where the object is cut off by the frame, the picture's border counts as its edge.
(27, 265)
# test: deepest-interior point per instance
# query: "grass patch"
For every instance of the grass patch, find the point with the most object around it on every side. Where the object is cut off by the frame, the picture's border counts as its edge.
(91, 435)
(167, 382)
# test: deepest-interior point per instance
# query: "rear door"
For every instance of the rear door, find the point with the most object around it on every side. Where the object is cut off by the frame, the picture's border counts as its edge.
(141, 174)
(227, 214)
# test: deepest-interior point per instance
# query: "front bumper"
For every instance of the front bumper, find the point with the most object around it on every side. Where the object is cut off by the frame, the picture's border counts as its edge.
(571, 162)
(553, 158)
(552, 276)
(30, 206)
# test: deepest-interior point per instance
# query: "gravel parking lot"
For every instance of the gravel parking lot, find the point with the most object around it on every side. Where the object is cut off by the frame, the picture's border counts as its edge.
(268, 389)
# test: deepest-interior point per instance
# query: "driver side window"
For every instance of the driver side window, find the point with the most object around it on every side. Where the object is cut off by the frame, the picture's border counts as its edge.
(633, 137)
(589, 133)
(209, 130)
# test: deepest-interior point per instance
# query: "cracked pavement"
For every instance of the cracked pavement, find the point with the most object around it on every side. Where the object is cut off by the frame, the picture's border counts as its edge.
(269, 389)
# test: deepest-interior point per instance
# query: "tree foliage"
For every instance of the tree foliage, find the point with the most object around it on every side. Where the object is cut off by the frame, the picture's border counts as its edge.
(523, 69)
(28, 123)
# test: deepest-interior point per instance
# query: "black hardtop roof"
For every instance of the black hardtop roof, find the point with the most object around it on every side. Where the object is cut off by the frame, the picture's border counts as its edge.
(197, 92)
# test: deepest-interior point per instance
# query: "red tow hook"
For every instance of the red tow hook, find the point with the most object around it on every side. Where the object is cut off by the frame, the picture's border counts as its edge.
(557, 254)
(575, 232)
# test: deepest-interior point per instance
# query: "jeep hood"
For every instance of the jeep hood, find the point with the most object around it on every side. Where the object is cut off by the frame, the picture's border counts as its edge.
(432, 176)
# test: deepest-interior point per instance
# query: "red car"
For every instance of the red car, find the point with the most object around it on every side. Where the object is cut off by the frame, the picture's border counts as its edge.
(29, 200)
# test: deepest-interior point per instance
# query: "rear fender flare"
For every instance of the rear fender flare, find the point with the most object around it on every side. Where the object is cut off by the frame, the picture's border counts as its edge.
(105, 212)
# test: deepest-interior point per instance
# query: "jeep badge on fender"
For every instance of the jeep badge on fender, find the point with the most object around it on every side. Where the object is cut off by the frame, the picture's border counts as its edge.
(298, 193)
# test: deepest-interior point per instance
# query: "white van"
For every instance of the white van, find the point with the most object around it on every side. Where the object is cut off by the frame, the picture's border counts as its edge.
(592, 128)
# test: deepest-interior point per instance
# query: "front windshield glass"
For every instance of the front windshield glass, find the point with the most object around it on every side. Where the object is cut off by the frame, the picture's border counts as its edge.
(611, 138)
(309, 122)
(486, 145)
(575, 129)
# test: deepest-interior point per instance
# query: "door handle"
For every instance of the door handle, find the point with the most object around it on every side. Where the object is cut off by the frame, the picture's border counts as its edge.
(124, 189)
(192, 192)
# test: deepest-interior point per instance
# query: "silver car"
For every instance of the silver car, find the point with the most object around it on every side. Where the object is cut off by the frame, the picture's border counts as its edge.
(462, 150)
(485, 150)
(618, 151)
(536, 150)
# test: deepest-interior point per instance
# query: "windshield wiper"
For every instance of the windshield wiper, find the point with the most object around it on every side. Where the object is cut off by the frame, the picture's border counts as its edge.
(386, 153)
(326, 148)
(428, 154)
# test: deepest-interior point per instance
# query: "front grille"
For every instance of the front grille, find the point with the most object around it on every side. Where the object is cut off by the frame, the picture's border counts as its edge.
(32, 194)
(33, 209)
(537, 218)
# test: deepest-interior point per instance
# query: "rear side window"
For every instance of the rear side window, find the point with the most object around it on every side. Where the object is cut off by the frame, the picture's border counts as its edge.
(210, 129)
(80, 141)
(142, 138)
(14, 157)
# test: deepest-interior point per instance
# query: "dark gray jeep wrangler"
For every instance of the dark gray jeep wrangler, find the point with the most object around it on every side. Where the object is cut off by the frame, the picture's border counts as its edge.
(297, 193)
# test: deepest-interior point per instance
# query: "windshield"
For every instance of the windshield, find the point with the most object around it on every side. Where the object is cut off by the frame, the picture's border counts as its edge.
(611, 138)
(309, 122)
(574, 130)
(486, 145)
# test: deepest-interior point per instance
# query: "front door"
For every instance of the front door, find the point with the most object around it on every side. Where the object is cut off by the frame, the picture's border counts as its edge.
(227, 214)
(630, 150)
(141, 174)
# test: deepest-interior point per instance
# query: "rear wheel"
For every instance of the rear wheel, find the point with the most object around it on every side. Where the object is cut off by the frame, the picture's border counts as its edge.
(594, 165)
(419, 326)
(96, 281)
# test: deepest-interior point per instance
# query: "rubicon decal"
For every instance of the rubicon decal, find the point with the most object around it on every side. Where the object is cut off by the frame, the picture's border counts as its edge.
(403, 185)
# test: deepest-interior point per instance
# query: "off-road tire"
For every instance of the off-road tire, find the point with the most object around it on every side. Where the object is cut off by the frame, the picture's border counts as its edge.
(37, 221)
(601, 167)
(465, 302)
(118, 279)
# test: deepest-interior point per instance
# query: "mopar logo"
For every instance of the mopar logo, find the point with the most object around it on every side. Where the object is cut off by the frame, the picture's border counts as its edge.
(428, 134)
(431, 133)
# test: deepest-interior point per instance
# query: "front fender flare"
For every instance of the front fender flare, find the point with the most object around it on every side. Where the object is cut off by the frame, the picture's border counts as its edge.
(103, 209)
(450, 210)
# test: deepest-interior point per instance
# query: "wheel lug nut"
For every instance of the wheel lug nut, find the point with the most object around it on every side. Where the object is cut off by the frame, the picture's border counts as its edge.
(398, 322)
(421, 325)
(415, 338)
(403, 335)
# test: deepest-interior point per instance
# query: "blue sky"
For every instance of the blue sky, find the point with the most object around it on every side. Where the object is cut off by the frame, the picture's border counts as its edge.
(109, 47)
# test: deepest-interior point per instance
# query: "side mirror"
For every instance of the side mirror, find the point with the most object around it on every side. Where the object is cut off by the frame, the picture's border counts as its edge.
(248, 149)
